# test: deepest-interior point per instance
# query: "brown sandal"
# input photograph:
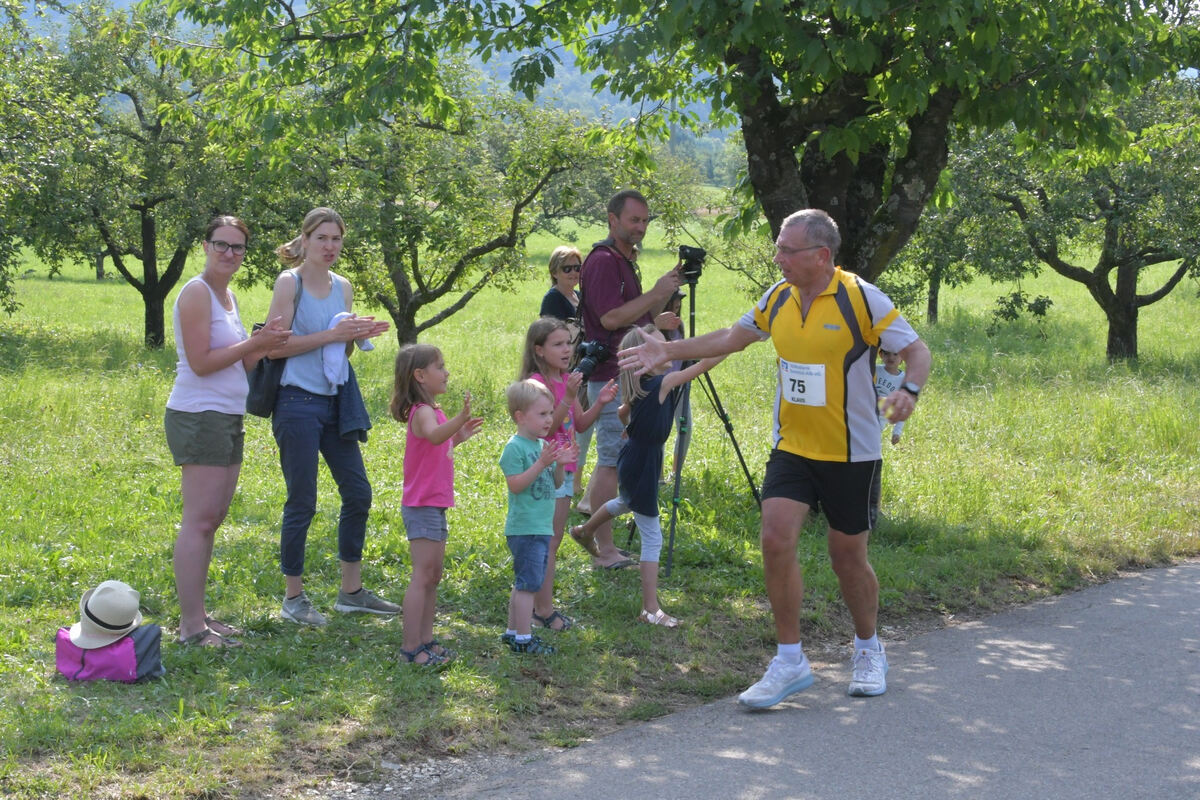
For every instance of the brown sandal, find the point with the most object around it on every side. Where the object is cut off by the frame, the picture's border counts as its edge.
(208, 638)
(221, 628)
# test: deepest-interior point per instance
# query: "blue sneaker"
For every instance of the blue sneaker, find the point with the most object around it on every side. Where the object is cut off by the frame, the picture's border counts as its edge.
(781, 679)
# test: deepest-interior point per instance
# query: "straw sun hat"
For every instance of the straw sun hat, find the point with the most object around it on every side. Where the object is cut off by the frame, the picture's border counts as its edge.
(106, 613)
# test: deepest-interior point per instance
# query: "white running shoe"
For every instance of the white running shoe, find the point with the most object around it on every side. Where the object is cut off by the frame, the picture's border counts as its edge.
(870, 669)
(781, 679)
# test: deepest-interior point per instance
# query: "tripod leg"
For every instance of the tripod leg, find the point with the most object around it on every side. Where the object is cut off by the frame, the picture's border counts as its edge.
(710, 391)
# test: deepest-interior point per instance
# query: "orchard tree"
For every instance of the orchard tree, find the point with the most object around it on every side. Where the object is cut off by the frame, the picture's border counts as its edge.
(1137, 216)
(846, 105)
(38, 109)
(1134, 214)
(438, 210)
(126, 177)
(962, 236)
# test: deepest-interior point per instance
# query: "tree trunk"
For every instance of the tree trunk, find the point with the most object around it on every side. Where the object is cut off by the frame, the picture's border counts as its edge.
(874, 225)
(1122, 331)
(103, 254)
(406, 326)
(931, 300)
(156, 330)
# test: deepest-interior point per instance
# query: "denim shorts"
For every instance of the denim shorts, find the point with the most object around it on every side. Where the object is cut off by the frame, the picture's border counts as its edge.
(607, 429)
(207, 438)
(568, 486)
(425, 522)
(530, 554)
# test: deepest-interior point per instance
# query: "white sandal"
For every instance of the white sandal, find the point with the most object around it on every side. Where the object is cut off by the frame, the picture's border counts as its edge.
(659, 617)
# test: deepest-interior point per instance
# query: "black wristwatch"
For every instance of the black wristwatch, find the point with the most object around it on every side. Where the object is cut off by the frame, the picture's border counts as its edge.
(911, 388)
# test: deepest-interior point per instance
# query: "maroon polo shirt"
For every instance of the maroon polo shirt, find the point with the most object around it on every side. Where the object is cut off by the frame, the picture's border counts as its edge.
(608, 281)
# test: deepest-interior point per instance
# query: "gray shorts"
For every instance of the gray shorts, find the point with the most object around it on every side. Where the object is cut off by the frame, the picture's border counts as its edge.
(206, 438)
(607, 428)
(425, 522)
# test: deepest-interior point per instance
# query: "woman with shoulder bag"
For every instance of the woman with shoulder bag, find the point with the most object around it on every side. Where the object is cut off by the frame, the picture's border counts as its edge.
(319, 411)
(204, 416)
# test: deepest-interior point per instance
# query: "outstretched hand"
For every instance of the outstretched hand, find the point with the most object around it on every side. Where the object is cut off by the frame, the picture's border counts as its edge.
(645, 357)
(469, 429)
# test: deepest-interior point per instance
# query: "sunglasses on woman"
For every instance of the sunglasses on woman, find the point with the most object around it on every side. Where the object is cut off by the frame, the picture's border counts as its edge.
(570, 267)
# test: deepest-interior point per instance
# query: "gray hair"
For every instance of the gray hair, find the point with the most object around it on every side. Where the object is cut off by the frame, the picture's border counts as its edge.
(819, 228)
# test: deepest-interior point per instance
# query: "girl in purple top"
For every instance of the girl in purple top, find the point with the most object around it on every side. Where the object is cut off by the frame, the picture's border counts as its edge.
(421, 376)
(546, 358)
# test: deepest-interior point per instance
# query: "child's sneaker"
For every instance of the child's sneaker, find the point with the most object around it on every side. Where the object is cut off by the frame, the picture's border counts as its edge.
(534, 645)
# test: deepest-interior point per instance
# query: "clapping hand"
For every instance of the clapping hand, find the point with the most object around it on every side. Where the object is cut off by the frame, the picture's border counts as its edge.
(271, 335)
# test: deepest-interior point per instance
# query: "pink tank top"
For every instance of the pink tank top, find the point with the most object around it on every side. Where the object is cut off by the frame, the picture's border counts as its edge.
(428, 468)
(562, 434)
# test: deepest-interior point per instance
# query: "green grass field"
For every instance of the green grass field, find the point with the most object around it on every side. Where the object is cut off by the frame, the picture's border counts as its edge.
(1031, 467)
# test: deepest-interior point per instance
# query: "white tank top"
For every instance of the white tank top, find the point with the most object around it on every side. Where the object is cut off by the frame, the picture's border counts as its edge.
(224, 390)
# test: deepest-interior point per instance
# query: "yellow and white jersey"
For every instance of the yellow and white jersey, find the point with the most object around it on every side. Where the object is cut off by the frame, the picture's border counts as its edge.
(825, 397)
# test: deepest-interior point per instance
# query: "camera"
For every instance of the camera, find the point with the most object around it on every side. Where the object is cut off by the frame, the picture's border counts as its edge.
(693, 262)
(589, 355)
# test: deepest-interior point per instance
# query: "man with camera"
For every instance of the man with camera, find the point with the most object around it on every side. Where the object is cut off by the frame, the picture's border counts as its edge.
(613, 302)
(826, 325)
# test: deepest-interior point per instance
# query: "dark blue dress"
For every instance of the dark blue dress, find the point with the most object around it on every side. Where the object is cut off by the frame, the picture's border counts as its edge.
(639, 466)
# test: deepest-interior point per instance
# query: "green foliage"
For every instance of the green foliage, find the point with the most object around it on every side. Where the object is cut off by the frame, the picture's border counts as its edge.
(38, 109)
(125, 177)
(1019, 204)
(1010, 307)
(844, 104)
(848, 105)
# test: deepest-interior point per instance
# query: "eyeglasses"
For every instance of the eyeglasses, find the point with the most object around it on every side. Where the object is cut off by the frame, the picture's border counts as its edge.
(791, 251)
(221, 247)
(570, 268)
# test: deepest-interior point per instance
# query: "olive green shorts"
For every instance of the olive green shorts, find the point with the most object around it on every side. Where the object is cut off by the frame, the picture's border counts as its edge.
(209, 438)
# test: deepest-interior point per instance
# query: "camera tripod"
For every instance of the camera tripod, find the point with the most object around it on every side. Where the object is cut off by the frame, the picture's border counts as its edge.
(682, 428)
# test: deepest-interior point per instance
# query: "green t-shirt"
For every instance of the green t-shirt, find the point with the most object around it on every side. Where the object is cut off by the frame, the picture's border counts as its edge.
(530, 513)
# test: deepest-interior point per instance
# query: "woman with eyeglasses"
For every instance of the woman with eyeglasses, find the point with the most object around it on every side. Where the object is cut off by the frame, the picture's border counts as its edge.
(204, 414)
(562, 301)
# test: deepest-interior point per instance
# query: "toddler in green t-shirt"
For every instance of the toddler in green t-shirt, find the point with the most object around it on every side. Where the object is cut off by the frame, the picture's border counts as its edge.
(534, 469)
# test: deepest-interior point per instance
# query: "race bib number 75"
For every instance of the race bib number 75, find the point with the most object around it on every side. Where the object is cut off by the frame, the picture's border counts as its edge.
(802, 384)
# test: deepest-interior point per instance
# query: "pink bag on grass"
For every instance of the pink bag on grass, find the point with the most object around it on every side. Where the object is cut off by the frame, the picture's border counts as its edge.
(132, 658)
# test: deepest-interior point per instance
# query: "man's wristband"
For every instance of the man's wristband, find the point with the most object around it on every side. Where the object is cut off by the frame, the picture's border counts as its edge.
(911, 388)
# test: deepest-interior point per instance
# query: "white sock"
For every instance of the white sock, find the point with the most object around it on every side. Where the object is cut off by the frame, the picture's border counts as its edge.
(510, 632)
(867, 644)
(791, 653)
(526, 638)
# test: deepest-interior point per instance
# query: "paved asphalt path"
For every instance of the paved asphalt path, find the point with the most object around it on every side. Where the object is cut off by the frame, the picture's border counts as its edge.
(1095, 694)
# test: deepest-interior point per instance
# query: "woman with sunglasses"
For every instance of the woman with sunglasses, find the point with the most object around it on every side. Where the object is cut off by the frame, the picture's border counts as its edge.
(204, 416)
(562, 301)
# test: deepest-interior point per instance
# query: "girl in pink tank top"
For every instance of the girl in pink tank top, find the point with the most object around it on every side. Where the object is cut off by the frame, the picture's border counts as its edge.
(421, 376)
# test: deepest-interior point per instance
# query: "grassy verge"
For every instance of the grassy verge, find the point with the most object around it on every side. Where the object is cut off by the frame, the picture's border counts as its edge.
(1031, 468)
